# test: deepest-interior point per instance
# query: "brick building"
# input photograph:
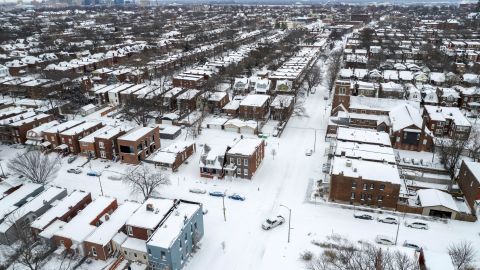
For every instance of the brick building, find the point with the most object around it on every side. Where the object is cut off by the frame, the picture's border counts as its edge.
(469, 183)
(138, 144)
(70, 137)
(106, 143)
(173, 156)
(361, 182)
(52, 135)
(254, 106)
(244, 158)
(447, 122)
(19, 129)
(148, 216)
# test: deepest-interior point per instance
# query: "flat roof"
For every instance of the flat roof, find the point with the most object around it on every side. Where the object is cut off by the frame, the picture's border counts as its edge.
(143, 218)
(365, 151)
(107, 230)
(245, 147)
(82, 127)
(173, 226)
(63, 126)
(7, 203)
(61, 207)
(368, 170)
(136, 134)
(363, 136)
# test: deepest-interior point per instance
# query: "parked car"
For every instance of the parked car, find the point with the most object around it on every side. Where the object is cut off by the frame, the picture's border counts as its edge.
(237, 197)
(411, 245)
(115, 177)
(384, 240)
(363, 216)
(75, 171)
(416, 224)
(271, 223)
(388, 219)
(71, 159)
(94, 173)
(197, 190)
(217, 194)
(325, 168)
(308, 152)
(275, 133)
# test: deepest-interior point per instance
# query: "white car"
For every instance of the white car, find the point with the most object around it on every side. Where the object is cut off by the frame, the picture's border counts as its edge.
(308, 152)
(198, 190)
(271, 223)
(384, 240)
(416, 224)
(388, 219)
(412, 245)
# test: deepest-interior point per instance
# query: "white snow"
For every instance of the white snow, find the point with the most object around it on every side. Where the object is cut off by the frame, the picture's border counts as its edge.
(143, 218)
(363, 136)
(433, 197)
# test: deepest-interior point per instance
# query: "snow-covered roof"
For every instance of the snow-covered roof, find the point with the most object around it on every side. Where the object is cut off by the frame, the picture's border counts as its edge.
(171, 228)
(438, 113)
(368, 170)
(59, 209)
(111, 225)
(255, 100)
(474, 168)
(63, 126)
(363, 136)
(135, 244)
(144, 218)
(80, 128)
(107, 134)
(384, 104)
(434, 197)
(8, 203)
(404, 116)
(245, 147)
(282, 101)
(31, 206)
(79, 227)
(50, 231)
(91, 137)
(136, 134)
(365, 151)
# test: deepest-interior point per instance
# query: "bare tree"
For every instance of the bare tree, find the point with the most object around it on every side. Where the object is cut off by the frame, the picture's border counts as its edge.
(139, 109)
(313, 77)
(335, 63)
(31, 254)
(450, 151)
(145, 180)
(35, 166)
(340, 253)
(463, 255)
(474, 145)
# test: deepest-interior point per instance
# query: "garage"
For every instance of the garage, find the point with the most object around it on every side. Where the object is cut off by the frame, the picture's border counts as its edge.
(437, 203)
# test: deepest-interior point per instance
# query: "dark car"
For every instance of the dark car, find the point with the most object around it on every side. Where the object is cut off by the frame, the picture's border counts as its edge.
(94, 173)
(363, 216)
(217, 194)
(236, 197)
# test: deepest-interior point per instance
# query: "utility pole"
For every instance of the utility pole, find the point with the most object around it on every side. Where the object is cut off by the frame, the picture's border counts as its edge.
(289, 221)
(100, 182)
(224, 209)
(315, 140)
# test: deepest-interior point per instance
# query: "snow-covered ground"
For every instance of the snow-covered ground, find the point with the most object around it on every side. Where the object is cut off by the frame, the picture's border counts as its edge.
(283, 179)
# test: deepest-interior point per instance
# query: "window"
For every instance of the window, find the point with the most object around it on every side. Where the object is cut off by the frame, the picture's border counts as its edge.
(382, 187)
(365, 186)
(245, 172)
(245, 162)
(239, 161)
(186, 238)
(135, 254)
(342, 91)
(149, 233)
(149, 251)
(163, 256)
(94, 251)
(103, 154)
(239, 171)
(232, 160)
(369, 197)
(353, 196)
(129, 230)
(372, 186)
(363, 197)
(101, 145)
(380, 198)
(354, 185)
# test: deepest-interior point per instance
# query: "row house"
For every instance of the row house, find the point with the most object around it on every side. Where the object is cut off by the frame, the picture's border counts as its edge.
(61, 213)
(212, 161)
(6, 135)
(87, 143)
(35, 135)
(216, 101)
(169, 99)
(138, 144)
(254, 106)
(469, 98)
(244, 158)
(28, 212)
(391, 90)
(188, 100)
(362, 182)
(447, 122)
(71, 236)
(174, 241)
(106, 143)
(99, 244)
(173, 156)
(52, 135)
(20, 128)
(70, 137)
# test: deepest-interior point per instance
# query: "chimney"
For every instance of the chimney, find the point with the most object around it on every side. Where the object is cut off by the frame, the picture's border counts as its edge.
(349, 163)
(150, 207)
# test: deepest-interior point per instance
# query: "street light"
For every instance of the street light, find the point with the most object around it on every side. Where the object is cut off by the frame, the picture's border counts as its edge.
(289, 220)
(223, 202)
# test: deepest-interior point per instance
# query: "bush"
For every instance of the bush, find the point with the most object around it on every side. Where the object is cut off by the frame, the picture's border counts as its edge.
(306, 255)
